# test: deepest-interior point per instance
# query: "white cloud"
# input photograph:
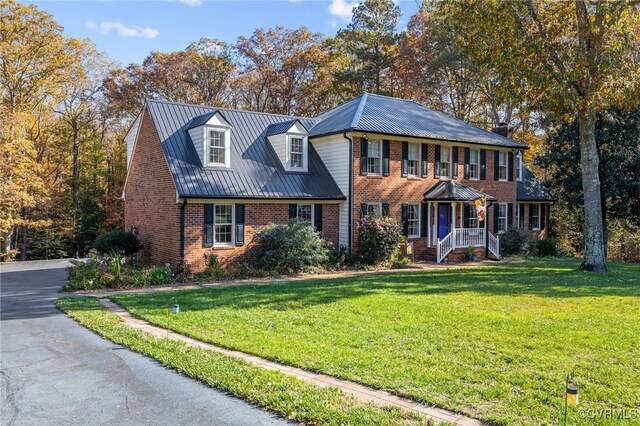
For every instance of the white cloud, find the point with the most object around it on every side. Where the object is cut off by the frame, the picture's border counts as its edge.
(342, 9)
(123, 30)
(191, 2)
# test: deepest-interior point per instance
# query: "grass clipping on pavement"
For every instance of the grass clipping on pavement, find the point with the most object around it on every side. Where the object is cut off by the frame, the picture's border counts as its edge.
(285, 395)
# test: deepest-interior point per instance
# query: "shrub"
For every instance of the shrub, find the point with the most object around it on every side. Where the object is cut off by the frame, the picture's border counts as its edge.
(543, 248)
(288, 249)
(214, 269)
(124, 243)
(514, 241)
(85, 275)
(341, 258)
(159, 275)
(379, 239)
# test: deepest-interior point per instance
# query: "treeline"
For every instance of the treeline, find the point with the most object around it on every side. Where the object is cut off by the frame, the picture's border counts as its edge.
(65, 107)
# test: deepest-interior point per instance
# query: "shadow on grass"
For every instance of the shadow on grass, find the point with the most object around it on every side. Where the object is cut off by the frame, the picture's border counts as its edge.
(548, 278)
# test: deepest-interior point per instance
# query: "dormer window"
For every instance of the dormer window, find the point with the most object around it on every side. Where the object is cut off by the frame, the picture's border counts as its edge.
(297, 150)
(217, 148)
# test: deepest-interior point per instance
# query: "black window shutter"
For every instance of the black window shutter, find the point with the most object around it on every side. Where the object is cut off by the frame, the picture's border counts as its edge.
(530, 215)
(543, 210)
(385, 209)
(317, 217)
(436, 163)
(467, 214)
(405, 158)
(454, 161)
(425, 220)
(364, 146)
(495, 218)
(405, 221)
(239, 224)
(510, 163)
(363, 209)
(207, 241)
(386, 153)
(293, 211)
(467, 160)
(425, 154)
(521, 223)
(496, 164)
(509, 215)
(483, 164)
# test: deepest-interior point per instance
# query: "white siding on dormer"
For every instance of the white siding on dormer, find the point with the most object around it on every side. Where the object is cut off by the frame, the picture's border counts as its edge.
(130, 139)
(334, 152)
(280, 144)
(199, 137)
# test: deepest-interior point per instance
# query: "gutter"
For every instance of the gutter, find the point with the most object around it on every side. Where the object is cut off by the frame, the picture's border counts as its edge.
(350, 204)
(182, 207)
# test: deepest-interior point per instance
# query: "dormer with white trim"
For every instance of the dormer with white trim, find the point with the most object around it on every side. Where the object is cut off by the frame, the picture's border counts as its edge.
(290, 141)
(211, 137)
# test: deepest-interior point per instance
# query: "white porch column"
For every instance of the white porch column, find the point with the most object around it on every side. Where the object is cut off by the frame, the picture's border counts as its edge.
(453, 214)
(428, 223)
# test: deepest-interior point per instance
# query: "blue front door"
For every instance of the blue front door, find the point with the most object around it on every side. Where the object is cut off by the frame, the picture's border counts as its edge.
(444, 214)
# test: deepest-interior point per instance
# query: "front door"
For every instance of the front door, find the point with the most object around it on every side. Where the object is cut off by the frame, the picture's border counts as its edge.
(444, 215)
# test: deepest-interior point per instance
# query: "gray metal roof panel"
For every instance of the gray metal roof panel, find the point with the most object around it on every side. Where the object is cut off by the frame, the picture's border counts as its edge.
(279, 128)
(256, 171)
(449, 190)
(395, 116)
(529, 189)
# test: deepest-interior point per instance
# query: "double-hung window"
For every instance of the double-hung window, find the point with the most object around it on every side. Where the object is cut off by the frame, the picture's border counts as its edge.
(445, 161)
(502, 217)
(502, 166)
(535, 217)
(413, 220)
(413, 161)
(218, 224)
(296, 153)
(374, 209)
(305, 213)
(472, 217)
(374, 153)
(474, 164)
(217, 148)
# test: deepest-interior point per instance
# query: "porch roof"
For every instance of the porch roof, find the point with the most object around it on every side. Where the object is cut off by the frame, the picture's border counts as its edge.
(449, 190)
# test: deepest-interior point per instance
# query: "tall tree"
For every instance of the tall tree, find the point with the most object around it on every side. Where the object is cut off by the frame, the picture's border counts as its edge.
(371, 42)
(572, 59)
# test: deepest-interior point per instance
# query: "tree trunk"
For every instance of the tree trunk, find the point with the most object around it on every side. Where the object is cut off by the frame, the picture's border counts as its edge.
(594, 254)
(75, 179)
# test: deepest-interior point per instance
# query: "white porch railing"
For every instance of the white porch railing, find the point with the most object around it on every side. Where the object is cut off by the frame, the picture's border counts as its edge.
(494, 245)
(469, 237)
(444, 247)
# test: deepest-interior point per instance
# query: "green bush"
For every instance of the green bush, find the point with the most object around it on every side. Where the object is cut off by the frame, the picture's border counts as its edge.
(514, 241)
(85, 275)
(543, 248)
(288, 249)
(160, 275)
(341, 258)
(379, 239)
(124, 243)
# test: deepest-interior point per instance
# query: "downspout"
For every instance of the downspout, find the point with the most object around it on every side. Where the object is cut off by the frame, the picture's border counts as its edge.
(182, 208)
(350, 203)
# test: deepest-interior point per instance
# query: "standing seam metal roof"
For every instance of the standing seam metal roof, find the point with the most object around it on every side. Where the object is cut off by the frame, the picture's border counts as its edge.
(449, 190)
(256, 171)
(395, 116)
(529, 189)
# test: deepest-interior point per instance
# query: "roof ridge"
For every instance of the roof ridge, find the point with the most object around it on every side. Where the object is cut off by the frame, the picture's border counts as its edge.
(358, 113)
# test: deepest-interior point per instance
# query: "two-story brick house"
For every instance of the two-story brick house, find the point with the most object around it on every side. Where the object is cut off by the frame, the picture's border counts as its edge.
(203, 179)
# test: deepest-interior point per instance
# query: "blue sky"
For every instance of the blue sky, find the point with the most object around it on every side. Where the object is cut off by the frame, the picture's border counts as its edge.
(128, 30)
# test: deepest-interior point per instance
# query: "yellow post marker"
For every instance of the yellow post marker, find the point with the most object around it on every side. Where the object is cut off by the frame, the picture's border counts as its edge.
(572, 395)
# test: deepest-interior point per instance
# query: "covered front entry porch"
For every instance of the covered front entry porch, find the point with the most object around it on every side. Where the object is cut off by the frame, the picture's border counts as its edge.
(453, 224)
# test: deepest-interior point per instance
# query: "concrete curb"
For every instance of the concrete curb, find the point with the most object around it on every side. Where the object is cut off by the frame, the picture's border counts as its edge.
(369, 395)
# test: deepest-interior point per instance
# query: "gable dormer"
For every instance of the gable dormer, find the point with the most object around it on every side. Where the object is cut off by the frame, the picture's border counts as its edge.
(290, 141)
(211, 137)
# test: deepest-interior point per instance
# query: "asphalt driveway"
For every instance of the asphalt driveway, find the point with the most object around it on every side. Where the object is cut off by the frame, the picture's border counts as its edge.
(54, 371)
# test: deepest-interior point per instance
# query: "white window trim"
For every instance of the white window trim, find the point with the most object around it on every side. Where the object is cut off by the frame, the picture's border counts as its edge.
(227, 145)
(539, 216)
(379, 157)
(417, 160)
(418, 220)
(312, 212)
(506, 166)
(449, 163)
(477, 164)
(233, 226)
(519, 168)
(506, 221)
(374, 204)
(305, 153)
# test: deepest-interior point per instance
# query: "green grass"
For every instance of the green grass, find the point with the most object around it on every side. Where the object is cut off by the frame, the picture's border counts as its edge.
(495, 342)
(290, 397)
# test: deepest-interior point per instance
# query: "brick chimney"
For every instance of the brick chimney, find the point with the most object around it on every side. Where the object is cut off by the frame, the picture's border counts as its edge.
(503, 129)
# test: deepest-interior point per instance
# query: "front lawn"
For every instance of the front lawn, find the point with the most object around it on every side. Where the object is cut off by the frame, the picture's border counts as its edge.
(495, 342)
